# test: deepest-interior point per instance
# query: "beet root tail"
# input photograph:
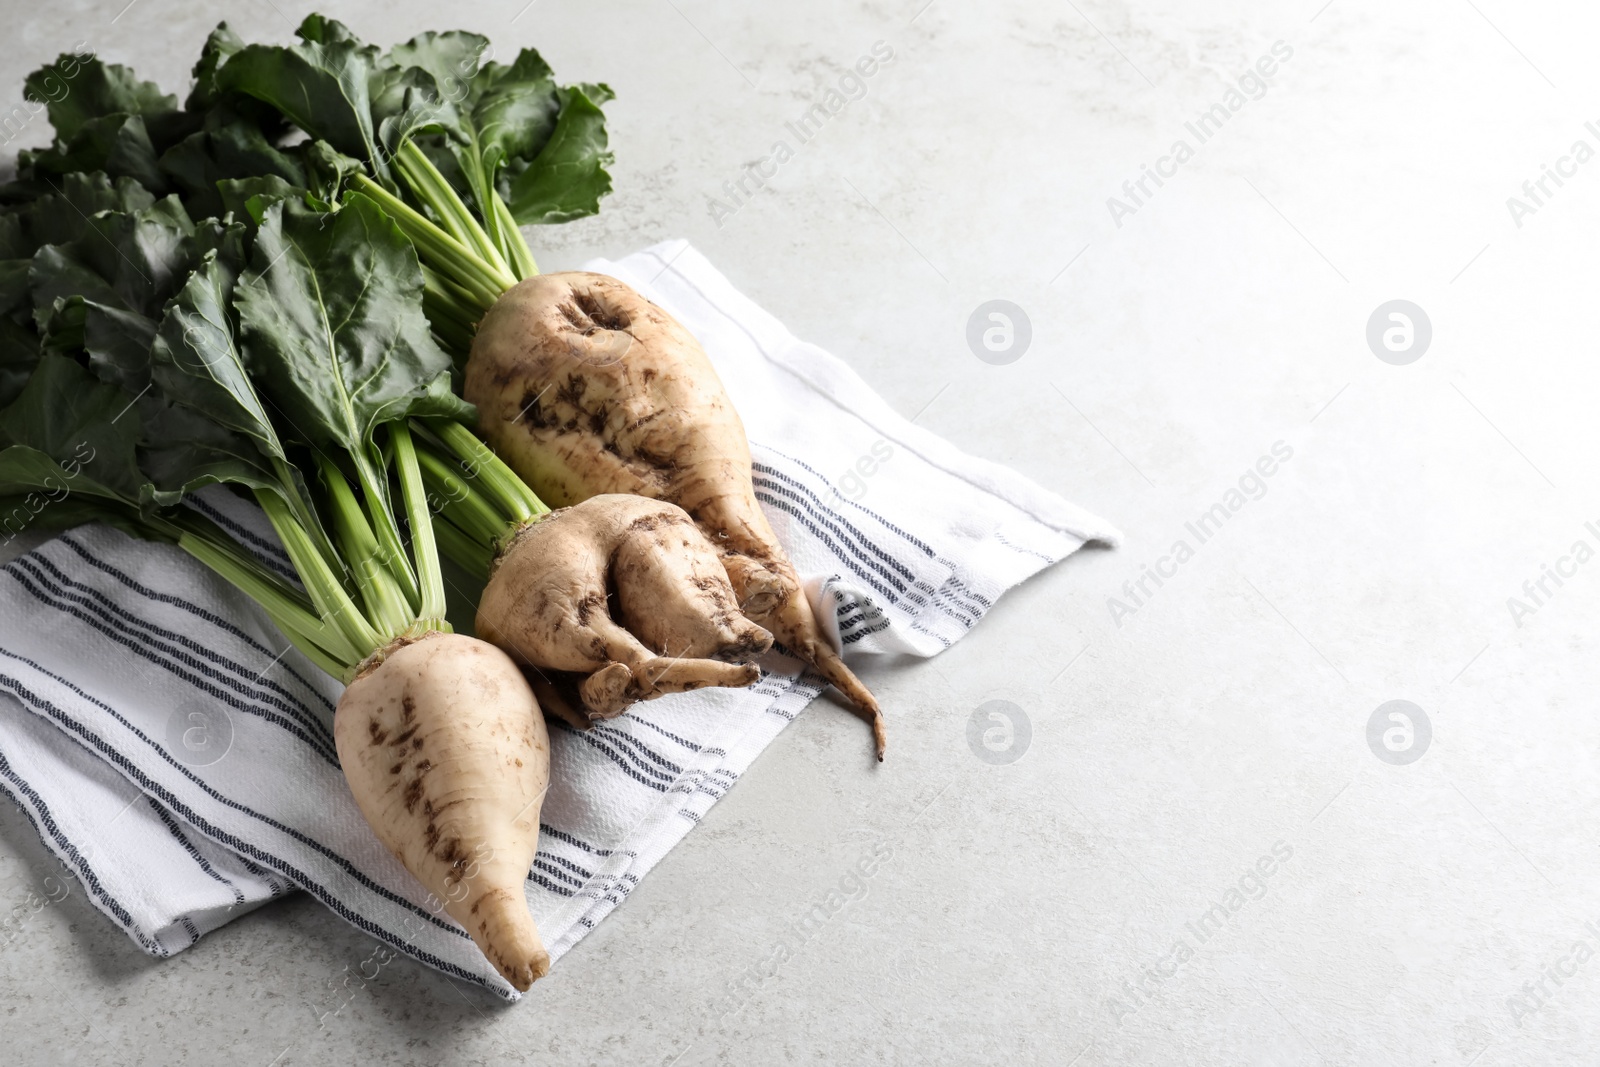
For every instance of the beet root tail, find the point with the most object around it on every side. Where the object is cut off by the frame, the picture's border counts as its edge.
(503, 930)
(863, 705)
(791, 620)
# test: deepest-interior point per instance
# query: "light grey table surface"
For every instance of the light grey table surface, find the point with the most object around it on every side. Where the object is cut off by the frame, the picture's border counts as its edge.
(1420, 913)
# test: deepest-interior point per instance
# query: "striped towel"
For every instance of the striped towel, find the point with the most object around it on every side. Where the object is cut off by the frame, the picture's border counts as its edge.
(180, 762)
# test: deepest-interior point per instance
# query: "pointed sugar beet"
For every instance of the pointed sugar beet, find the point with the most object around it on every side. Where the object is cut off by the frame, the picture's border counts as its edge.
(446, 754)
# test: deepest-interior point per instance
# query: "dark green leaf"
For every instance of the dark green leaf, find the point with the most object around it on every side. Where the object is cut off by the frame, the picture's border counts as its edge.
(24, 469)
(516, 110)
(327, 171)
(13, 237)
(48, 509)
(85, 426)
(77, 91)
(599, 93)
(504, 111)
(184, 451)
(221, 44)
(320, 87)
(568, 177)
(19, 354)
(128, 260)
(14, 243)
(118, 343)
(19, 341)
(542, 147)
(406, 102)
(453, 59)
(229, 147)
(119, 145)
(333, 324)
(196, 358)
(63, 213)
(323, 30)
(15, 298)
(103, 292)
(248, 198)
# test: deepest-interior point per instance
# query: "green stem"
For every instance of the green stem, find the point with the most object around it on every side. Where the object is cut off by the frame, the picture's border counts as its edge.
(325, 589)
(289, 480)
(453, 338)
(429, 576)
(469, 553)
(310, 649)
(446, 254)
(517, 249)
(432, 189)
(286, 606)
(448, 297)
(453, 496)
(498, 222)
(386, 603)
(453, 322)
(510, 492)
(470, 160)
(373, 478)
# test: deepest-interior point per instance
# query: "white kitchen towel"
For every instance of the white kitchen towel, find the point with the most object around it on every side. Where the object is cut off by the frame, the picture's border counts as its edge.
(180, 762)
